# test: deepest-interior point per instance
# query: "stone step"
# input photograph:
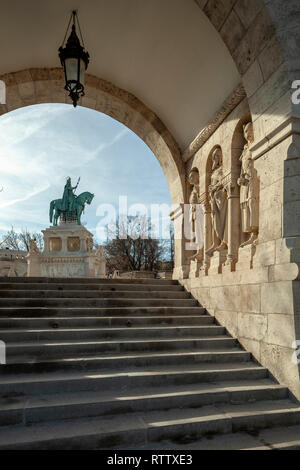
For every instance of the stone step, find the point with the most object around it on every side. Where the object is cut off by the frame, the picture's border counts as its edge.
(60, 349)
(32, 286)
(98, 302)
(24, 364)
(150, 427)
(20, 385)
(115, 321)
(83, 280)
(84, 294)
(78, 334)
(93, 311)
(274, 438)
(33, 410)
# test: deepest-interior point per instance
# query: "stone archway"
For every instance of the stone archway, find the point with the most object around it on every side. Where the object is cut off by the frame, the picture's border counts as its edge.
(35, 86)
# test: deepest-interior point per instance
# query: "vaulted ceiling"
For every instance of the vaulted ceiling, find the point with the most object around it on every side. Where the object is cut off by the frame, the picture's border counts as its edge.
(163, 51)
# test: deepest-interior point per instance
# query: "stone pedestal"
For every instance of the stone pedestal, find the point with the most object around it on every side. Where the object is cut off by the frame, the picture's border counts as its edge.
(33, 265)
(196, 266)
(216, 262)
(246, 255)
(68, 252)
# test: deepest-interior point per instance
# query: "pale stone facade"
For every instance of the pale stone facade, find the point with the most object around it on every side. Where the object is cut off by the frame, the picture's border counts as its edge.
(68, 252)
(13, 263)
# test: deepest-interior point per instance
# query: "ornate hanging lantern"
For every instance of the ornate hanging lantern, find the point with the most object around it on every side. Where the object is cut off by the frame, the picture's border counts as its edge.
(74, 59)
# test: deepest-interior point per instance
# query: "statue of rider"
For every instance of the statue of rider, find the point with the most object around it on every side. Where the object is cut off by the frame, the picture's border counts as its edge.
(68, 199)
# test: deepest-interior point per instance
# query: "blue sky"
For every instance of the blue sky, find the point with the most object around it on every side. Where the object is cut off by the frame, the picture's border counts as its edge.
(43, 144)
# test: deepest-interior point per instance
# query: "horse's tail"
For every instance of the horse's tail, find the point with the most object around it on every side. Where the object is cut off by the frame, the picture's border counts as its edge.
(52, 204)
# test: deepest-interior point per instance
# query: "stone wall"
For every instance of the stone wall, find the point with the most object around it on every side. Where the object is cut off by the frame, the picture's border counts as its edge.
(13, 263)
(255, 292)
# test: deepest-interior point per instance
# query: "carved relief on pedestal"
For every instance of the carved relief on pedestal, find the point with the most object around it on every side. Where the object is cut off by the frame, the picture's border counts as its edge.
(195, 216)
(218, 203)
(249, 191)
(33, 249)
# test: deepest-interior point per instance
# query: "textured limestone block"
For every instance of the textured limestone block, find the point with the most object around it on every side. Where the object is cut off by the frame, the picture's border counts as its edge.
(270, 168)
(229, 297)
(43, 90)
(232, 31)
(253, 79)
(278, 359)
(269, 93)
(281, 330)
(252, 326)
(270, 226)
(265, 254)
(228, 319)
(284, 272)
(217, 11)
(287, 250)
(253, 346)
(270, 124)
(27, 92)
(247, 11)
(202, 295)
(249, 298)
(259, 33)
(270, 58)
(278, 297)
(291, 219)
(271, 195)
(245, 258)
(292, 188)
(13, 98)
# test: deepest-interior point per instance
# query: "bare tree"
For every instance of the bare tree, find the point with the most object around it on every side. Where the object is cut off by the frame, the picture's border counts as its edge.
(21, 240)
(130, 246)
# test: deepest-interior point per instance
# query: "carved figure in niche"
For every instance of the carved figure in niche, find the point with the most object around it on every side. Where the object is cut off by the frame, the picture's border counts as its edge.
(33, 249)
(248, 182)
(195, 214)
(218, 202)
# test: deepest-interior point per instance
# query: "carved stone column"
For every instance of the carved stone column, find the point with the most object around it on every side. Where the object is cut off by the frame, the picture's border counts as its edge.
(207, 230)
(181, 265)
(233, 197)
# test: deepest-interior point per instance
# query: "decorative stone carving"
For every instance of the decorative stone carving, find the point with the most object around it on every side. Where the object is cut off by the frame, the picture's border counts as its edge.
(249, 190)
(90, 245)
(33, 260)
(218, 202)
(227, 107)
(33, 249)
(195, 215)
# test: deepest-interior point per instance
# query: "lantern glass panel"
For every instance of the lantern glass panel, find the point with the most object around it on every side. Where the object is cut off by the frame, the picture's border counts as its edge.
(72, 69)
(82, 71)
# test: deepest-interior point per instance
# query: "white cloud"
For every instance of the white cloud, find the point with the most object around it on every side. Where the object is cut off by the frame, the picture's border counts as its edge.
(42, 144)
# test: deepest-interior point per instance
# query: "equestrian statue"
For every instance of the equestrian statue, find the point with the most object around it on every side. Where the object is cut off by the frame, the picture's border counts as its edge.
(70, 207)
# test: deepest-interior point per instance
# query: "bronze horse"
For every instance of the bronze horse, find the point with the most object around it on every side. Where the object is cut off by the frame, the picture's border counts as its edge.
(80, 201)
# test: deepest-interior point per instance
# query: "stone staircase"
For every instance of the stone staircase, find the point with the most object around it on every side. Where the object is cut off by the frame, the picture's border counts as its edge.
(120, 364)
